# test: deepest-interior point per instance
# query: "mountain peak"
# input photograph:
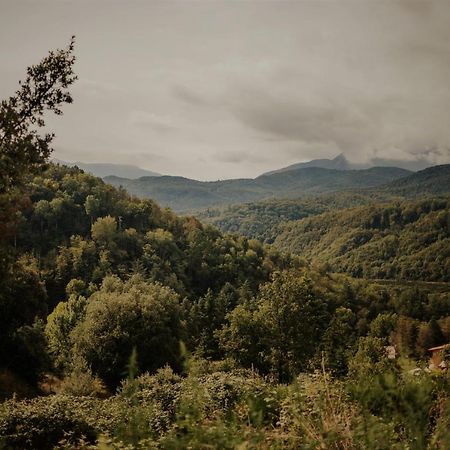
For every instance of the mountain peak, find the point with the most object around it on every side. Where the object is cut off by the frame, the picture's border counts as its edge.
(340, 162)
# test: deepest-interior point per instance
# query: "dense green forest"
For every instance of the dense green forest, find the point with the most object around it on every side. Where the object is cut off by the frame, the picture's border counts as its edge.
(261, 220)
(408, 240)
(432, 181)
(369, 235)
(123, 325)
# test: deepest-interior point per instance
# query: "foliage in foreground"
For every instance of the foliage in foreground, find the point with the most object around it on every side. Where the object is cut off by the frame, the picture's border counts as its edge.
(216, 406)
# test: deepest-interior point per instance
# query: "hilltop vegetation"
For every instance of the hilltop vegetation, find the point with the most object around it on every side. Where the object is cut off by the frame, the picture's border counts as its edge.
(366, 236)
(379, 233)
(261, 220)
(409, 240)
(432, 181)
(80, 227)
(185, 195)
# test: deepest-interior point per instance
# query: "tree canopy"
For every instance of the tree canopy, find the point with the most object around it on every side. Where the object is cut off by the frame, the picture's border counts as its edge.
(45, 88)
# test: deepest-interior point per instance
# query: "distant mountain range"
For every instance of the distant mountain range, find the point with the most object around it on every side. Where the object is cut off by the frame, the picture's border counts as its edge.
(321, 176)
(342, 163)
(265, 219)
(184, 195)
(104, 169)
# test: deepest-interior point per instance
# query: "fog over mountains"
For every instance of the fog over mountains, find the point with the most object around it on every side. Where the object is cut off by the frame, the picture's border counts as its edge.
(184, 195)
(319, 176)
(340, 162)
(105, 169)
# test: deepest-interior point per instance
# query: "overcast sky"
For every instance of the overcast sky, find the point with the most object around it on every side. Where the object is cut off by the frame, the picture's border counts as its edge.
(227, 89)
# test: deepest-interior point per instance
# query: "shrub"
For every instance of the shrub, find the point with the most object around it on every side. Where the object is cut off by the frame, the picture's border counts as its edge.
(407, 401)
(317, 413)
(81, 382)
(43, 422)
(370, 359)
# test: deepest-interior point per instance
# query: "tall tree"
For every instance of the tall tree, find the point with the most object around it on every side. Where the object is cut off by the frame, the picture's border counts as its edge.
(22, 148)
(279, 330)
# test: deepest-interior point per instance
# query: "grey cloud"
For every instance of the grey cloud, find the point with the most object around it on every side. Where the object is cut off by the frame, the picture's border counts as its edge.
(187, 95)
(293, 120)
(89, 86)
(148, 120)
(150, 157)
(395, 125)
(238, 157)
(231, 89)
(419, 7)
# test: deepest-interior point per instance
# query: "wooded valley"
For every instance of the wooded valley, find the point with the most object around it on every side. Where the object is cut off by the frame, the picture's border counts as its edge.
(303, 322)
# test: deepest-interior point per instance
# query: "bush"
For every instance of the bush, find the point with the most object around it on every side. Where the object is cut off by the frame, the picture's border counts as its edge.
(370, 359)
(161, 392)
(407, 401)
(318, 413)
(238, 409)
(240, 393)
(43, 422)
(81, 382)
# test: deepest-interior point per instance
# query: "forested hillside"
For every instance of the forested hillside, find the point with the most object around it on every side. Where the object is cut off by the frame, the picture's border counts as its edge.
(387, 237)
(261, 220)
(125, 326)
(432, 181)
(182, 194)
(71, 229)
(98, 229)
(92, 278)
(408, 240)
